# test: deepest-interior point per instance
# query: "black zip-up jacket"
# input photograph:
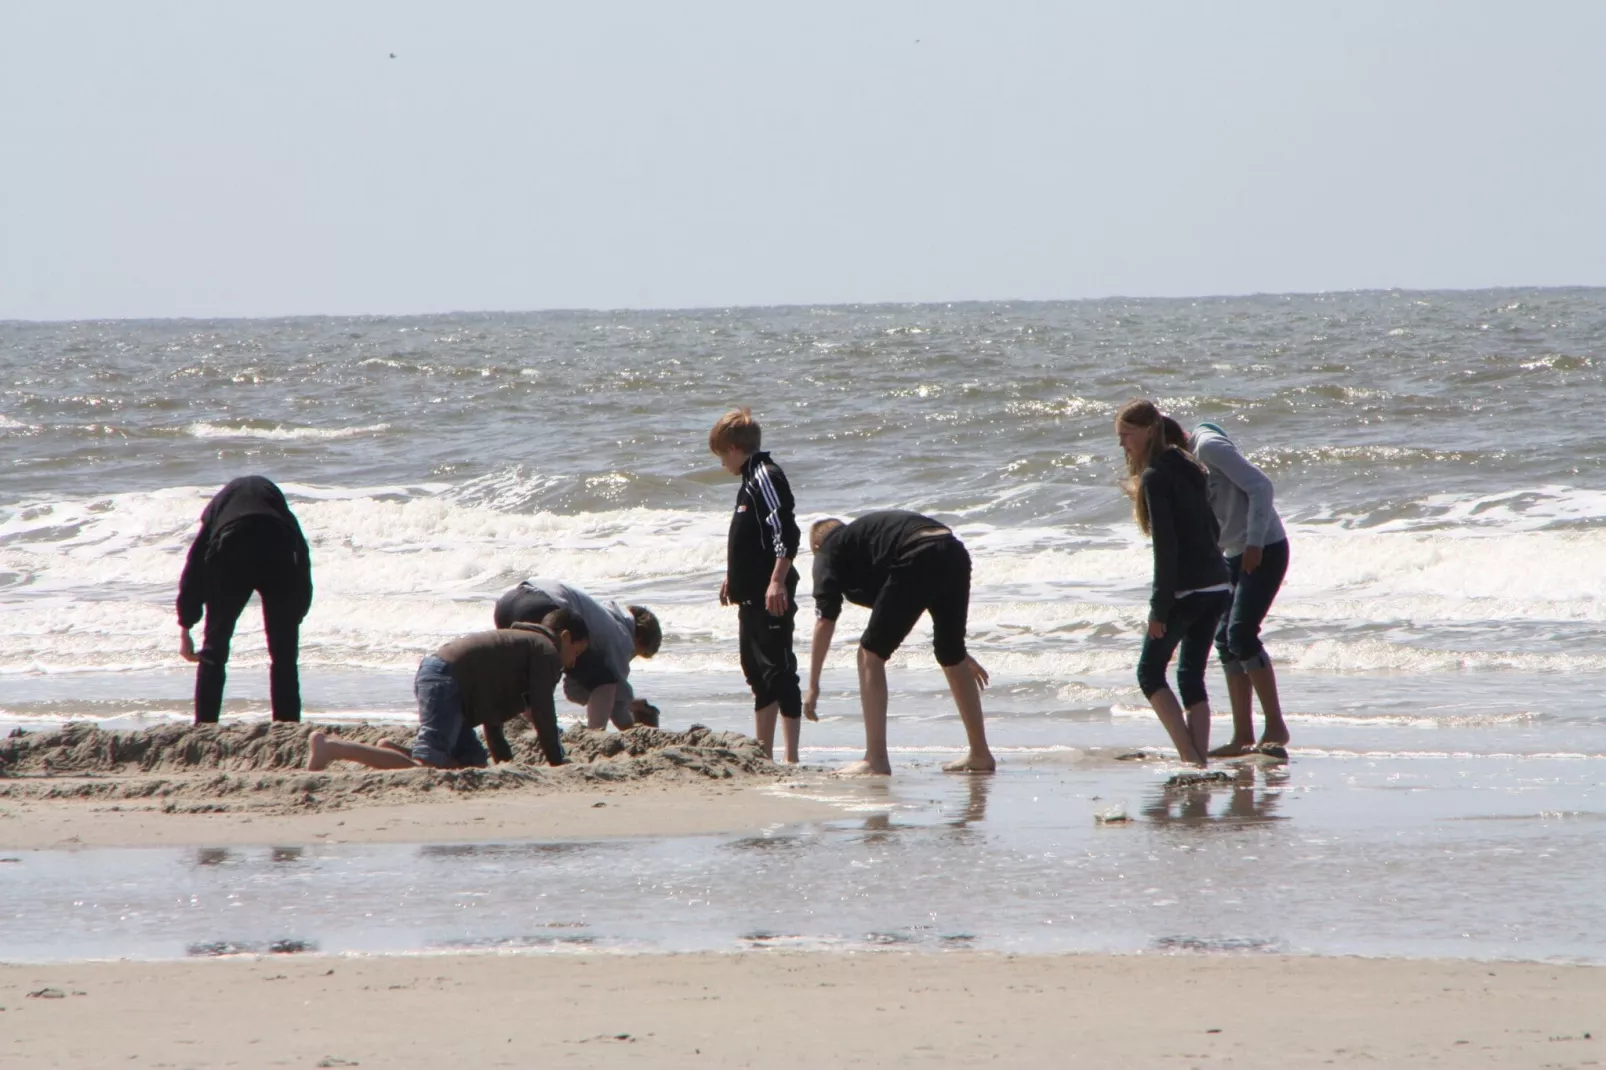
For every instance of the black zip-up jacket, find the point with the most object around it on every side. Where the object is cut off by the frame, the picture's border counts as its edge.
(763, 528)
(247, 501)
(1183, 526)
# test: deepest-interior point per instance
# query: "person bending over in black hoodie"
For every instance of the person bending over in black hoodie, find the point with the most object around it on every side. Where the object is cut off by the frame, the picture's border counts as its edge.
(1190, 592)
(249, 541)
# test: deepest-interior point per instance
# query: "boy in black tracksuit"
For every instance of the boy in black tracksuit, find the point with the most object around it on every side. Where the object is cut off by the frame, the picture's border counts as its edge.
(759, 578)
(249, 541)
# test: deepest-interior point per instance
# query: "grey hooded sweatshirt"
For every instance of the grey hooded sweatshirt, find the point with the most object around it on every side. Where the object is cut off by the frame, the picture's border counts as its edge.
(1240, 494)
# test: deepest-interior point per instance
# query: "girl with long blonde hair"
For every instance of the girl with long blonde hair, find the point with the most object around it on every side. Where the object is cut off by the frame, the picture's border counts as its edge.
(1190, 589)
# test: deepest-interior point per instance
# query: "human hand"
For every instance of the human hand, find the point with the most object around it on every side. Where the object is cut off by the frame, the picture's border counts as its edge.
(1157, 629)
(186, 646)
(725, 592)
(979, 673)
(811, 699)
(775, 599)
(1251, 559)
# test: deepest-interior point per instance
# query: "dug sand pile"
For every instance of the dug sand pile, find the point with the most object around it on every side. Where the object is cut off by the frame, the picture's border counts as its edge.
(262, 766)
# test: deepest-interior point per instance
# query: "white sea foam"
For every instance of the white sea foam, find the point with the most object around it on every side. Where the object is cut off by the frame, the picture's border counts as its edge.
(88, 584)
(281, 433)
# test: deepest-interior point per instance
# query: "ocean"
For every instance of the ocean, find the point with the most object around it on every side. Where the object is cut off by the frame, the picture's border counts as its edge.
(1440, 640)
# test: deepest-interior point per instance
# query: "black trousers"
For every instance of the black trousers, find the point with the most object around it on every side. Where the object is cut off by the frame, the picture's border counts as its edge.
(767, 658)
(257, 558)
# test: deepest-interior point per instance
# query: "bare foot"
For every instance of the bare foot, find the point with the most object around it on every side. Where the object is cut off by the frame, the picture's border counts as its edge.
(390, 744)
(863, 768)
(971, 764)
(1235, 749)
(317, 751)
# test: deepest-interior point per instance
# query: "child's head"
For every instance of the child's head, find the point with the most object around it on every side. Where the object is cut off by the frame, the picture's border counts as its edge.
(821, 530)
(649, 633)
(573, 635)
(735, 437)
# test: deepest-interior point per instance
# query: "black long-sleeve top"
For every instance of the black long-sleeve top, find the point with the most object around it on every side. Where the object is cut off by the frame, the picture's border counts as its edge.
(246, 500)
(855, 559)
(763, 529)
(1184, 529)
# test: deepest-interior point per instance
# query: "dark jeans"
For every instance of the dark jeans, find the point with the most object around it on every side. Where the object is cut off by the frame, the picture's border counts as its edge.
(1190, 625)
(443, 737)
(1238, 638)
(257, 558)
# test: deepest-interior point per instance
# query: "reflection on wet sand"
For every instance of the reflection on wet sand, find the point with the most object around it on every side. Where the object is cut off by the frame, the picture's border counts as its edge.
(1255, 793)
(975, 802)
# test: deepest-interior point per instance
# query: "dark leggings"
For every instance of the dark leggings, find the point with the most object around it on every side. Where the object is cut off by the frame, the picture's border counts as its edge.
(1238, 638)
(1190, 625)
(260, 559)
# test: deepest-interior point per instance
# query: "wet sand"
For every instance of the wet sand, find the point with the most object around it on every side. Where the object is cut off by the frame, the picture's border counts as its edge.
(789, 1009)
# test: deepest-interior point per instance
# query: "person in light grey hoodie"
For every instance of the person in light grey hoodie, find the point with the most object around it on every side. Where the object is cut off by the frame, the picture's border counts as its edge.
(1256, 547)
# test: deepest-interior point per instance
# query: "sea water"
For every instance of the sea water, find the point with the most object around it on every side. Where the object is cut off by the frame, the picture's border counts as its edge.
(1439, 639)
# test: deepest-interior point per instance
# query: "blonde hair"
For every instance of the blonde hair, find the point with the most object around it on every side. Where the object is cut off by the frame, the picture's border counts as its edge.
(736, 428)
(821, 530)
(1167, 434)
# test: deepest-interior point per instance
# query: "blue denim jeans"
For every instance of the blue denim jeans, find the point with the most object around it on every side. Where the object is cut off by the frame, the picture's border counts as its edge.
(443, 736)
(1238, 638)
(1190, 624)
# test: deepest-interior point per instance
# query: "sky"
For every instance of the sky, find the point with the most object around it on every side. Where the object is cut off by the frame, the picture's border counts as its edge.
(386, 156)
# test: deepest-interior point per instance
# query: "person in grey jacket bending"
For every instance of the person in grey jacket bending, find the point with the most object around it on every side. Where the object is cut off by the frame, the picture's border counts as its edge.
(600, 679)
(1256, 548)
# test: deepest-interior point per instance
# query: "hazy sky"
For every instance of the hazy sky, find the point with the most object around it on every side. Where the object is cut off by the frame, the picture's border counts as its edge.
(201, 159)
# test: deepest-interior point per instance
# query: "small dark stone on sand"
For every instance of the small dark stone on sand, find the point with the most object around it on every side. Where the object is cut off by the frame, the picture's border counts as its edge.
(47, 993)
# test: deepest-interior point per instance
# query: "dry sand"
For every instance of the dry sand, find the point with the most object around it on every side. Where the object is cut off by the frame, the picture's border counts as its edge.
(777, 1009)
(246, 784)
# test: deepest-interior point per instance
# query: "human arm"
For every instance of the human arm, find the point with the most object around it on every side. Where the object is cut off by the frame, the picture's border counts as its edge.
(780, 533)
(540, 710)
(496, 742)
(186, 645)
(819, 646)
(776, 599)
(1223, 457)
(1163, 534)
(192, 582)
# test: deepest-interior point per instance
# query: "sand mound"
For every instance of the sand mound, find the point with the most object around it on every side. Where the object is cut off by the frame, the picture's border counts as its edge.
(234, 766)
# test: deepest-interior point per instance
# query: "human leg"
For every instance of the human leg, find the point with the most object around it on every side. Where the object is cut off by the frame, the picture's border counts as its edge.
(1197, 615)
(1255, 593)
(1152, 662)
(764, 728)
(226, 596)
(947, 567)
(792, 727)
(897, 607)
(873, 706)
(965, 686)
(323, 749)
(440, 715)
(1239, 694)
(282, 623)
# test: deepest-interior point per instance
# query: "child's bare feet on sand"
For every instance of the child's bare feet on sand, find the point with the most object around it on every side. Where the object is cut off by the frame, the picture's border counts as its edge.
(317, 751)
(971, 764)
(863, 768)
(1235, 749)
(390, 744)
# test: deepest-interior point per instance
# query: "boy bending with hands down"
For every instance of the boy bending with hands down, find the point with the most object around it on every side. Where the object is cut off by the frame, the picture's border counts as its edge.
(900, 564)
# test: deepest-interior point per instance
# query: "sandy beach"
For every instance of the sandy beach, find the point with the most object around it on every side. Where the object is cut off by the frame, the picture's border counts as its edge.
(242, 785)
(787, 1009)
